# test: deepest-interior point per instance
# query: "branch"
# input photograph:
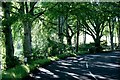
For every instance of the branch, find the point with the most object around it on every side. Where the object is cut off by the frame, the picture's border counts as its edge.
(32, 5)
(102, 26)
(70, 29)
(14, 7)
(67, 32)
(47, 21)
(86, 32)
(40, 13)
(92, 25)
(26, 7)
(91, 22)
(88, 28)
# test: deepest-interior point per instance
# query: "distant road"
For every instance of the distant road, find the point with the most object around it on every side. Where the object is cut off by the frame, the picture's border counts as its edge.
(101, 66)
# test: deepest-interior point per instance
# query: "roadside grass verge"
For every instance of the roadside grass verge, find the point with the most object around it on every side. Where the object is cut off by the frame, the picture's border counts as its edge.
(21, 71)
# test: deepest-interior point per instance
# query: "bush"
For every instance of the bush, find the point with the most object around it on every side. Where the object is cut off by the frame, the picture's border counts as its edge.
(92, 49)
(21, 71)
(16, 73)
(86, 47)
(13, 62)
(54, 48)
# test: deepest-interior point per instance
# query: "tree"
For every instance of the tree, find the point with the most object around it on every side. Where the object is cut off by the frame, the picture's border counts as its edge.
(8, 34)
(118, 32)
(113, 12)
(78, 25)
(27, 23)
(26, 9)
(93, 20)
(111, 29)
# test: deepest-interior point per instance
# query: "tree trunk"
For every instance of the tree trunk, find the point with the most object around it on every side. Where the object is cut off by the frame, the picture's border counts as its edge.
(67, 34)
(69, 41)
(84, 36)
(111, 27)
(8, 35)
(27, 39)
(60, 32)
(106, 38)
(27, 23)
(119, 34)
(97, 44)
(98, 47)
(77, 44)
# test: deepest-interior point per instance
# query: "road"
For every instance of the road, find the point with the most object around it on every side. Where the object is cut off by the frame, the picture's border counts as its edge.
(100, 66)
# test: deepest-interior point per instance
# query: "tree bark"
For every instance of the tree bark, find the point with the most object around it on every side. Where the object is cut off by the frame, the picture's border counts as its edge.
(69, 41)
(77, 44)
(84, 36)
(8, 35)
(60, 32)
(27, 24)
(27, 39)
(97, 38)
(119, 34)
(97, 44)
(111, 27)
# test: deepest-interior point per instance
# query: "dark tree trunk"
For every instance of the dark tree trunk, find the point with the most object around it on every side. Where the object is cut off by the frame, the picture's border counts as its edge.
(119, 34)
(112, 35)
(97, 38)
(111, 27)
(69, 41)
(67, 34)
(27, 39)
(77, 44)
(84, 36)
(97, 45)
(61, 25)
(106, 38)
(8, 35)
(60, 32)
(27, 23)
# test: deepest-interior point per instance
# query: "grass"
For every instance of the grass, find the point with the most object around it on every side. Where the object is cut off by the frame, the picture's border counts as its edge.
(21, 71)
(81, 52)
(18, 72)
(0, 74)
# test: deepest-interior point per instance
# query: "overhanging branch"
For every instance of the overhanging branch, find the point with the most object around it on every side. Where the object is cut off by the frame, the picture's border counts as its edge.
(40, 13)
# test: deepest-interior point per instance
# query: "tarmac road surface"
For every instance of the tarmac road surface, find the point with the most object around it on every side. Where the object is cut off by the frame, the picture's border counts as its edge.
(99, 66)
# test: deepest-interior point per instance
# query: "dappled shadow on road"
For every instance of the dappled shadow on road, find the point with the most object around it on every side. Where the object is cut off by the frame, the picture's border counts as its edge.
(87, 67)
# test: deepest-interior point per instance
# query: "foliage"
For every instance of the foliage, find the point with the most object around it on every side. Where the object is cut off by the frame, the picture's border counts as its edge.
(47, 23)
(15, 73)
(14, 61)
(85, 47)
(20, 71)
(53, 48)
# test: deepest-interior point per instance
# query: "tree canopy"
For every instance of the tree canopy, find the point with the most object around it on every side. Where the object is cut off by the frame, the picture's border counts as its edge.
(37, 30)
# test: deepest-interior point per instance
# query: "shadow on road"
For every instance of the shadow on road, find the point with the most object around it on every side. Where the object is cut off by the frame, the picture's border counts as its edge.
(102, 66)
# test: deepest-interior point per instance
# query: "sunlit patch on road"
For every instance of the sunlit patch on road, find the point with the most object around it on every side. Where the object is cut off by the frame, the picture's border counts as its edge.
(86, 67)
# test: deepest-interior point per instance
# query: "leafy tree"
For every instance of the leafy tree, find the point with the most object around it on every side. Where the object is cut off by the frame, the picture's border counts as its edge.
(93, 20)
(8, 33)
